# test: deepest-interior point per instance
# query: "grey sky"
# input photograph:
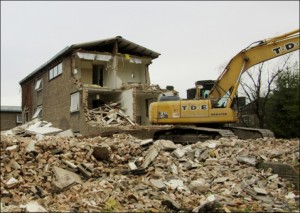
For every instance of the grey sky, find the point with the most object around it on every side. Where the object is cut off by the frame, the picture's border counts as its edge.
(195, 39)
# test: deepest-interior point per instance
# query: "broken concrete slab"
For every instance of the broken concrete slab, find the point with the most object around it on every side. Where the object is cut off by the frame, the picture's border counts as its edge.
(248, 160)
(199, 186)
(173, 169)
(260, 191)
(42, 130)
(158, 183)
(174, 183)
(64, 178)
(150, 156)
(166, 145)
(66, 133)
(146, 142)
(178, 153)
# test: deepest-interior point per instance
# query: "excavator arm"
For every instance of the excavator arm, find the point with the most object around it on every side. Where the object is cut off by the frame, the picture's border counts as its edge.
(228, 81)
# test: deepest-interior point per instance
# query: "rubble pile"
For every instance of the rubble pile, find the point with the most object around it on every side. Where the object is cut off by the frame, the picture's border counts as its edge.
(107, 115)
(44, 173)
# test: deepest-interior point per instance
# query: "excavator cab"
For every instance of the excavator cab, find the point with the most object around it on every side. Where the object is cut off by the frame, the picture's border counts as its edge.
(205, 86)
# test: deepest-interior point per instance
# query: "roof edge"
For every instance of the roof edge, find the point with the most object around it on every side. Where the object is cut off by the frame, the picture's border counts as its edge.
(61, 52)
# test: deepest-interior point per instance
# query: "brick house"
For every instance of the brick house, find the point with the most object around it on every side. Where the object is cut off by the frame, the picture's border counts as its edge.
(11, 116)
(85, 76)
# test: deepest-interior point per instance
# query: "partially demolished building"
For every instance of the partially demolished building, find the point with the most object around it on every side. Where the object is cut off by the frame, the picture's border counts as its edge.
(100, 82)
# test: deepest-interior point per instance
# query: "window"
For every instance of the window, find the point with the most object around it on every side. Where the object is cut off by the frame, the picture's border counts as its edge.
(19, 118)
(39, 85)
(59, 69)
(74, 102)
(38, 112)
(55, 71)
(26, 116)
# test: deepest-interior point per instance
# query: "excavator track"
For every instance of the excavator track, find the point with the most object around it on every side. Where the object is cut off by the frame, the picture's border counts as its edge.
(251, 133)
(188, 134)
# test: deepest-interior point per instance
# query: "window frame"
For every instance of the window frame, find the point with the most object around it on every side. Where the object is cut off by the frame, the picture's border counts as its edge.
(74, 108)
(55, 71)
(37, 112)
(39, 85)
(19, 118)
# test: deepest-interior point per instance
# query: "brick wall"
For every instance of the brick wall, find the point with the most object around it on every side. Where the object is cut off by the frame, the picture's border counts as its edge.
(8, 120)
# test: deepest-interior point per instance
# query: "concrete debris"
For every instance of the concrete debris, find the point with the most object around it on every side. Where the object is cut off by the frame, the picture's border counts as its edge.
(43, 128)
(64, 178)
(132, 166)
(178, 153)
(166, 145)
(108, 115)
(174, 184)
(33, 206)
(123, 173)
(66, 133)
(248, 160)
(260, 191)
(150, 156)
(158, 183)
(146, 142)
(199, 186)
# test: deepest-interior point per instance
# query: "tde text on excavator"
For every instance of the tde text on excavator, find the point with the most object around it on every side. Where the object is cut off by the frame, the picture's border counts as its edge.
(208, 113)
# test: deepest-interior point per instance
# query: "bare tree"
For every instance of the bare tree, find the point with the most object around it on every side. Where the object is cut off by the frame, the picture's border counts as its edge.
(258, 90)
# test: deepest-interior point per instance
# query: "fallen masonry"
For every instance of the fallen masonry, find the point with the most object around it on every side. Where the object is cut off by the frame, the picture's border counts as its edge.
(51, 172)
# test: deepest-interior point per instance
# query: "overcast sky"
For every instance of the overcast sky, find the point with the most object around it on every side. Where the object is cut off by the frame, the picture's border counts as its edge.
(195, 39)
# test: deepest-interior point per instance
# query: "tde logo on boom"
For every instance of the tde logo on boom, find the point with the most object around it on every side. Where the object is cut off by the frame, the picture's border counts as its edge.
(286, 47)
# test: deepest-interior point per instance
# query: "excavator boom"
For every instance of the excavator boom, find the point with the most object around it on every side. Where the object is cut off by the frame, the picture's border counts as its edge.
(255, 53)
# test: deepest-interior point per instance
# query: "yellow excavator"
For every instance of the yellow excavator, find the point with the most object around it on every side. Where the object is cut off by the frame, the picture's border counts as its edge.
(208, 114)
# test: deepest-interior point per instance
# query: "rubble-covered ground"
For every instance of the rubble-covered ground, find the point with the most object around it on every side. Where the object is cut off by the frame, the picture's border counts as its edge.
(123, 173)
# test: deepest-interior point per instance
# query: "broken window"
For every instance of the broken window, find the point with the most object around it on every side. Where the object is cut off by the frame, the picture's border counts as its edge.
(38, 112)
(55, 71)
(19, 118)
(39, 85)
(74, 102)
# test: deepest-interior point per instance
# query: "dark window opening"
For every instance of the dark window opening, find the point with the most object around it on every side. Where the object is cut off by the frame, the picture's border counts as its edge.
(98, 75)
(98, 103)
